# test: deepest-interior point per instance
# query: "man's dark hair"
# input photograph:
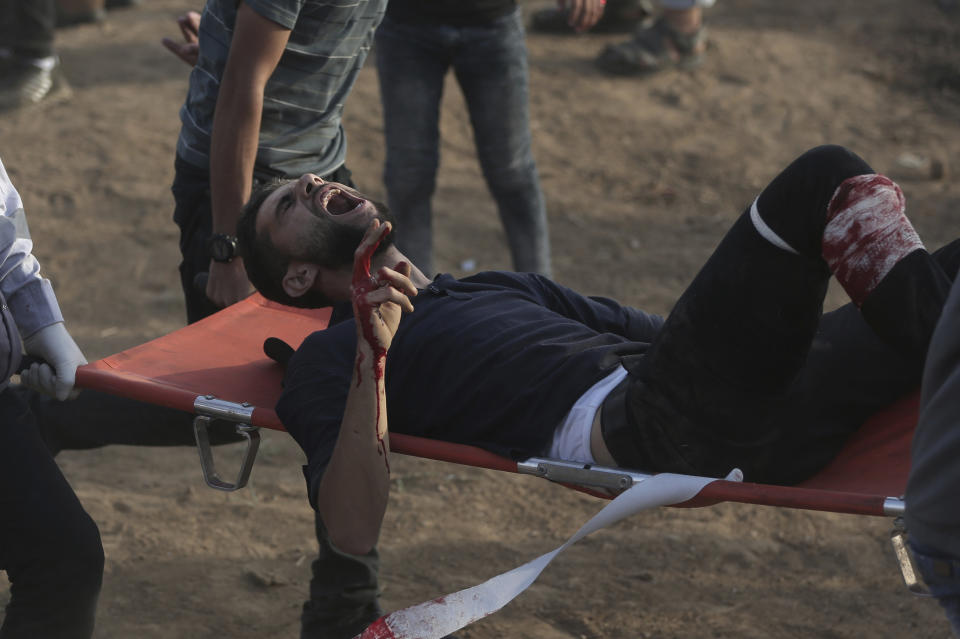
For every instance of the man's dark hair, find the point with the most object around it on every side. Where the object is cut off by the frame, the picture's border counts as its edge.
(265, 265)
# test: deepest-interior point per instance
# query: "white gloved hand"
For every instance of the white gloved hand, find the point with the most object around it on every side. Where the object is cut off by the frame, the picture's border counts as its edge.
(61, 355)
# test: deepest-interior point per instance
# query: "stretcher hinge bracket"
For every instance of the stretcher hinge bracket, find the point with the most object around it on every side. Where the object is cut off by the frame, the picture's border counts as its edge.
(908, 568)
(578, 474)
(208, 409)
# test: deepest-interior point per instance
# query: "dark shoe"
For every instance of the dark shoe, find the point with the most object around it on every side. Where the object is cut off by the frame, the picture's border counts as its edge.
(654, 48)
(25, 84)
(619, 16)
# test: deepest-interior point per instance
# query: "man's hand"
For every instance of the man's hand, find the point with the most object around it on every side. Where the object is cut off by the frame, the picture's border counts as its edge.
(61, 356)
(227, 283)
(583, 14)
(379, 302)
(189, 49)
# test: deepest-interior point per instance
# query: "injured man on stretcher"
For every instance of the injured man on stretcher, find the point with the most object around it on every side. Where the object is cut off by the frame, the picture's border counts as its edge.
(746, 371)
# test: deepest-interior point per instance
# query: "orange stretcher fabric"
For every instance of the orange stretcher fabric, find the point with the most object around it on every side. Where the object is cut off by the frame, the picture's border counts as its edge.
(222, 356)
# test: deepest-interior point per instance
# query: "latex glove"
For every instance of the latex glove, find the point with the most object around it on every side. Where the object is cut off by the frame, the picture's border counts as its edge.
(61, 355)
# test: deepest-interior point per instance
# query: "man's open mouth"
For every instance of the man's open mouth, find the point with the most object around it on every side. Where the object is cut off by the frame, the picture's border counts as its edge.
(337, 202)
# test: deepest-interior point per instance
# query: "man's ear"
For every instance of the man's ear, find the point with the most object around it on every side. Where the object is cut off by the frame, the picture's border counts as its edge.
(300, 278)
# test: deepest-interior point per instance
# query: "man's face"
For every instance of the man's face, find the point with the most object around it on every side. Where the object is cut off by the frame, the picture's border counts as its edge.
(317, 221)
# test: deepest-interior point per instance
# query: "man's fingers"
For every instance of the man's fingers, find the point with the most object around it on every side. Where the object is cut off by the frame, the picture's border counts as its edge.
(596, 14)
(576, 14)
(396, 279)
(189, 25)
(387, 294)
(368, 246)
(372, 237)
(189, 35)
(186, 52)
(173, 46)
(227, 287)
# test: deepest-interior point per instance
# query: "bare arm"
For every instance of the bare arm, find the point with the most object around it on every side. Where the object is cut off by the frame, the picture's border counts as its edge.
(352, 496)
(255, 50)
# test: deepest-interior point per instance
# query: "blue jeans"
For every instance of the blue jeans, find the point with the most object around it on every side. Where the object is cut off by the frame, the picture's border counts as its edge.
(941, 573)
(490, 64)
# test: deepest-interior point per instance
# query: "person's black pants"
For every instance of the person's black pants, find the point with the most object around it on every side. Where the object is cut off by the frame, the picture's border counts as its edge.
(744, 359)
(49, 546)
(28, 27)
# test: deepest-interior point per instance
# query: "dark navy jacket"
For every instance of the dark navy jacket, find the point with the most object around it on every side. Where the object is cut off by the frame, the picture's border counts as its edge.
(495, 360)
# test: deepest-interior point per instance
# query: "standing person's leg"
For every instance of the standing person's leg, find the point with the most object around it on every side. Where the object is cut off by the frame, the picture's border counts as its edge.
(49, 546)
(491, 67)
(32, 71)
(739, 335)
(193, 214)
(412, 60)
(35, 20)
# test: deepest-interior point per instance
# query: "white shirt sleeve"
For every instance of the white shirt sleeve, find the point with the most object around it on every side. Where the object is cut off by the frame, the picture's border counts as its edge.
(29, 296)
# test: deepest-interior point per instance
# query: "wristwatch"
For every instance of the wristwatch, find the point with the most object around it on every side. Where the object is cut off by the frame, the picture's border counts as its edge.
(222, 247)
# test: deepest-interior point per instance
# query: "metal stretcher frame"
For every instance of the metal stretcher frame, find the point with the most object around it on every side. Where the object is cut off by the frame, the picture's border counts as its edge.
(216, 369)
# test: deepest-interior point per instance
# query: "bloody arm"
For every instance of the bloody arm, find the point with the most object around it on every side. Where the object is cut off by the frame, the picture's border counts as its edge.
(352, 496)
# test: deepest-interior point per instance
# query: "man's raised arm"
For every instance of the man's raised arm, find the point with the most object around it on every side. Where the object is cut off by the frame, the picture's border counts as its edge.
(256, 48)
(352, 496)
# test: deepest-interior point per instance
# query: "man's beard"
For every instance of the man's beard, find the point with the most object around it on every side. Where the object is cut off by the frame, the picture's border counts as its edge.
(332, 245)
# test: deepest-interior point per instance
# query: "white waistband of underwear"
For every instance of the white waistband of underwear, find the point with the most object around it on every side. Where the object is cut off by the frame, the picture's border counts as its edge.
(571, 440)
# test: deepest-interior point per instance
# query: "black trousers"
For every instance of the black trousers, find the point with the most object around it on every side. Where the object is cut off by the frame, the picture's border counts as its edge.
(747, 373)
(28, 27)
(49, 546)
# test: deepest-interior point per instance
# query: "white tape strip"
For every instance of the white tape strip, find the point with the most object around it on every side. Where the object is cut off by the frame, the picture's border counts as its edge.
(438, 618)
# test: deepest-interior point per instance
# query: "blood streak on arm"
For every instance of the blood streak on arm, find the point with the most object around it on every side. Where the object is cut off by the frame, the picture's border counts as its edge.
(363, 312)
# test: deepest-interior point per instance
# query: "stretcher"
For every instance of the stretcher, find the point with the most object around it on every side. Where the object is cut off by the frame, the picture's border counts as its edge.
(216, 369)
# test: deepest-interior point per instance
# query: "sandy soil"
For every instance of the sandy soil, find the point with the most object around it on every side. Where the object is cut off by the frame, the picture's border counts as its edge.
(641, 177)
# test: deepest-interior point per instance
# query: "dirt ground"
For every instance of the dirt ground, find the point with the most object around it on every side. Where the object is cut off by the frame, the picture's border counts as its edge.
(642, 176)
